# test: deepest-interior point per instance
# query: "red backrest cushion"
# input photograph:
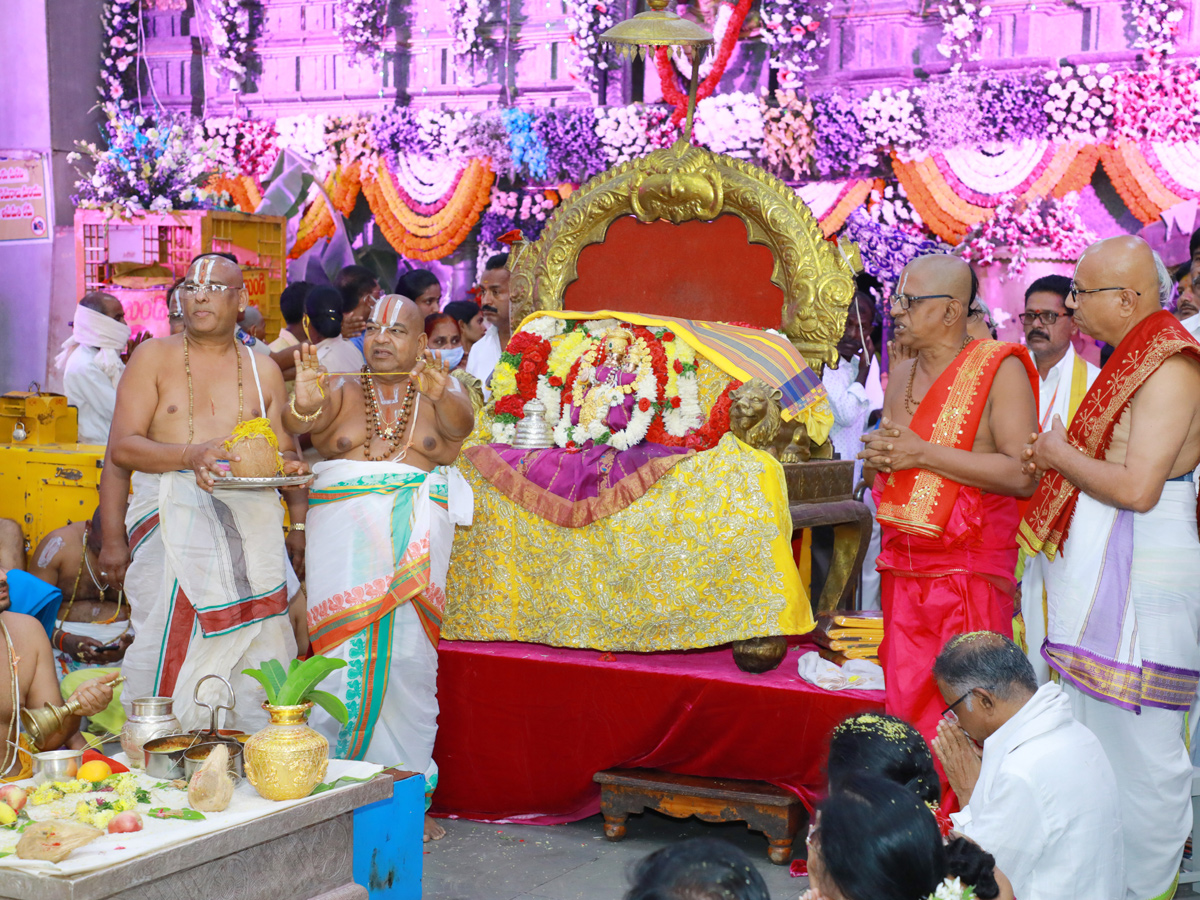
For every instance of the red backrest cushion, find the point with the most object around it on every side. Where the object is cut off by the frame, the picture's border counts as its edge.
(696, 270)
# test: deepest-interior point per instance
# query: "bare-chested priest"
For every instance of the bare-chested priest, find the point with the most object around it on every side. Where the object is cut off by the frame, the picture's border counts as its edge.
(31, 681)
(206, 585)
(948, 454)
(1123, 595)
(385, 506)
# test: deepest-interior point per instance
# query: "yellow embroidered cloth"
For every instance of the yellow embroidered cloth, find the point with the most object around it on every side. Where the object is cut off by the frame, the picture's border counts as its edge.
(703, 558)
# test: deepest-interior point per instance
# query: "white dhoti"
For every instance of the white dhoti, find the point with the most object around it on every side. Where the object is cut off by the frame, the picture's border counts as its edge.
(1033, 614)
(379, 538)
(207, 595)
(1123, 627)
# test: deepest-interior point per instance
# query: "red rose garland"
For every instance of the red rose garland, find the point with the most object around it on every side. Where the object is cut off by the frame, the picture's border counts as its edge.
(666, 73)
(707, 435)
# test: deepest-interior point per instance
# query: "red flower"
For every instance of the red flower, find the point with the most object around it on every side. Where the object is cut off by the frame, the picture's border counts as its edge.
(511, 405)
(555, 381)
(510, 237)
(528, 367)
(678, 367)
(674, 403)
(668, 336)
(643, 404)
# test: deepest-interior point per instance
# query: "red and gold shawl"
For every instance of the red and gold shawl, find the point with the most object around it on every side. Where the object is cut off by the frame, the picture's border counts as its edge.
(1152, 342)
(918, 501)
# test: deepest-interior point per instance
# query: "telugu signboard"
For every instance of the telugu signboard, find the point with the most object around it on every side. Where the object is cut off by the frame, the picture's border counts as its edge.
(24, 212)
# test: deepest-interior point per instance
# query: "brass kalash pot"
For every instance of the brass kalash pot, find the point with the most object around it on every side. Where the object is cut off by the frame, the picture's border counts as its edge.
(286, 759)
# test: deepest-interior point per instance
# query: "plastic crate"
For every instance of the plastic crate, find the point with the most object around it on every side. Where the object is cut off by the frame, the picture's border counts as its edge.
(172, 240)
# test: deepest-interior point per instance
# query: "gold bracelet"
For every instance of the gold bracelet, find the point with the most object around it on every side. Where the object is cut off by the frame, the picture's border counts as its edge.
(298, 526)
(299, 415)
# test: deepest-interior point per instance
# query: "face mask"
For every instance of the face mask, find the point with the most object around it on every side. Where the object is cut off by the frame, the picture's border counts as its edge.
(451, 356)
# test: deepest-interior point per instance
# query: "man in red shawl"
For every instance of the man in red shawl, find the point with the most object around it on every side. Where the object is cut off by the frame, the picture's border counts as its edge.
(1115, 514)
(948, 458)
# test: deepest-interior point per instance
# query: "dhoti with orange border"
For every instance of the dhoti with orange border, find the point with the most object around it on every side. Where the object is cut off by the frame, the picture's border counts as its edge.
(379, 538)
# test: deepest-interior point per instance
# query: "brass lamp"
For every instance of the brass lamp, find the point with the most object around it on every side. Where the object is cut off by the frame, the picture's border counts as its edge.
(657, 27)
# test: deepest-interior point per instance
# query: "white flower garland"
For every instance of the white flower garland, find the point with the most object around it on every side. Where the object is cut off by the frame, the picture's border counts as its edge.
(587, 20)
(1081, 102)
(231, 33)
(731, 124)
(470, 49)
(362, 25)
(426, 180)
(962, 29)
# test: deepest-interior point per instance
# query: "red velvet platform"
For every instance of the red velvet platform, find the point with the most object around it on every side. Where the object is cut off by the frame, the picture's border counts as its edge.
(523, 727)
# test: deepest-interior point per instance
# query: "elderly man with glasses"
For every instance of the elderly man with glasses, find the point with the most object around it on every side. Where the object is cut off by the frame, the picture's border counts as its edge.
(1064, 377)
(1043, 797)
(948, 458)
(1117, 497)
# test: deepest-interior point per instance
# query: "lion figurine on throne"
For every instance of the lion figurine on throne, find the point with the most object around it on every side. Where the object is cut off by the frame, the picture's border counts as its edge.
(660, 518)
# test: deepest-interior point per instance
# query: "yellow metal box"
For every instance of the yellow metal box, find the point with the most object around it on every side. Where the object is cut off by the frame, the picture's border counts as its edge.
(44, 418)
(48, 486)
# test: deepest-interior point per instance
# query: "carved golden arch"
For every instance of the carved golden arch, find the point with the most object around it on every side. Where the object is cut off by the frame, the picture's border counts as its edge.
(681, 183)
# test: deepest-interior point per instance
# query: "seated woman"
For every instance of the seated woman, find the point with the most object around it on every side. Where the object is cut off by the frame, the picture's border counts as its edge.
(873, 840)
(697, 869)
(872, 744)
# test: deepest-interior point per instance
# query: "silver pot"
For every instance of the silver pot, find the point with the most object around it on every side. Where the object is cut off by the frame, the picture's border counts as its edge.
(194, 758)
(56, 765)
(152, 717)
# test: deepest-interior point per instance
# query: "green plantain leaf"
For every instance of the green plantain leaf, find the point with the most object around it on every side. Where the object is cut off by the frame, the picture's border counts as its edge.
(264, 681)
(330, 704)
(305, 677)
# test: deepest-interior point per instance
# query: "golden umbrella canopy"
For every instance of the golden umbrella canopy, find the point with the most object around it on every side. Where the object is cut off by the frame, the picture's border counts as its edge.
(658, 27)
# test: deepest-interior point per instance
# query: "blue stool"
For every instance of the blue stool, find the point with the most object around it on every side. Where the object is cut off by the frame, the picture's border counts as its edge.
(388, 841)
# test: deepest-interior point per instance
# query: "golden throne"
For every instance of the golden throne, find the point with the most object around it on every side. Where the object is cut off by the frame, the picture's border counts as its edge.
(686, 233)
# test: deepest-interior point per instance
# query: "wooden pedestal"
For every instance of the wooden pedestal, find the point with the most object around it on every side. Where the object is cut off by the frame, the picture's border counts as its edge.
(763, 807)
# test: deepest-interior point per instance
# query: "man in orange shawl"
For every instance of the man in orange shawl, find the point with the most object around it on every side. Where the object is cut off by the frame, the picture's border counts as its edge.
(948, 458)
(1115, 514)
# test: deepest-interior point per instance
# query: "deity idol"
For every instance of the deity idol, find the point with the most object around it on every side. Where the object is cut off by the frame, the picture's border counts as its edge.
(606, 393)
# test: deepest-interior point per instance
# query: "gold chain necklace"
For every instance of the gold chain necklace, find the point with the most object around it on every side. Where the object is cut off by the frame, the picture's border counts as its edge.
(187, 368)
(909, 405)
(392, 433)
(59, 629)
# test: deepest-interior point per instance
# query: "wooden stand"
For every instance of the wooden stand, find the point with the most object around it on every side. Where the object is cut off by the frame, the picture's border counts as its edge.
(763, 807)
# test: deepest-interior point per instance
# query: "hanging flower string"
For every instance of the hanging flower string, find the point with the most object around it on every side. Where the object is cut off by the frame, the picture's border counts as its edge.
(677, 96)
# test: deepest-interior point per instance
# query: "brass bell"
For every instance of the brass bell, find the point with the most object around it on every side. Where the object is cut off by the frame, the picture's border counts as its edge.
(39, 724)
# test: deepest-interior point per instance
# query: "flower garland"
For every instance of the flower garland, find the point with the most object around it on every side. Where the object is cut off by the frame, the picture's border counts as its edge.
(1080, 102)
(962, 29)
(233, 25)
(793, 31)
(342, 187)
(1018, 224)
(587, 20)
(788, 146)
(242, 146)
(1158, 104)
(892, 119)
(677, 96)
(627, 132)
(362, 25)
(1156, 25)
(118, 61)
(470, 49)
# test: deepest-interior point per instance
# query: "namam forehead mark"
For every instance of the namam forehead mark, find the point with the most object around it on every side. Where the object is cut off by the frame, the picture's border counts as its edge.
(210, 270)
(395, 309)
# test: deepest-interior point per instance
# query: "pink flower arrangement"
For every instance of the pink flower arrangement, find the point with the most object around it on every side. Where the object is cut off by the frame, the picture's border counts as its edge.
(1019, 224)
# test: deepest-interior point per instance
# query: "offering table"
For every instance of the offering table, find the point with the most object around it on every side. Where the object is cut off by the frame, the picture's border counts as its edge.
(302, 852)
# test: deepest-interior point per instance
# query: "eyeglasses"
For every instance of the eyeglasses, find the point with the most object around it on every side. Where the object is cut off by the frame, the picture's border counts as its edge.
(1045, 317)
(948, 713)
(189, 289)
(1075, 292)
(904, 301)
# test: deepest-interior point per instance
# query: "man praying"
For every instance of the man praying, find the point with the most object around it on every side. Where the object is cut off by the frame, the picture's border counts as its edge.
(1117, 498)
(1043, 798)
(947, 454)
(383, 510)
(206, 585)
(1063, 378)
(91, 363)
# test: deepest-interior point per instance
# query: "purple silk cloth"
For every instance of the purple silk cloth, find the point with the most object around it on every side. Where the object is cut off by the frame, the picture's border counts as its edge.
(573, 488)
(617, 417)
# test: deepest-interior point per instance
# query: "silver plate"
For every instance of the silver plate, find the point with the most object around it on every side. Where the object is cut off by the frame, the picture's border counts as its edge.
(245, 484)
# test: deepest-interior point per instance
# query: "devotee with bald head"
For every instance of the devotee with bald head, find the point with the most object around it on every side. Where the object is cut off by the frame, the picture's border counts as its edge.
(1043, 798)
(206, 586)
(91, 363)
(1115, 515)
(1063, 378)
(948, 459)
(384, 506)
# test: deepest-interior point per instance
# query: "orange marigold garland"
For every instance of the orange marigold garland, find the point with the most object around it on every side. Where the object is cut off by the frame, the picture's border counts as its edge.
(342, 187)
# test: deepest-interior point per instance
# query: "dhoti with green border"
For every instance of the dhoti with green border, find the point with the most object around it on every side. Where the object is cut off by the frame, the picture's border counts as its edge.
(379, 538)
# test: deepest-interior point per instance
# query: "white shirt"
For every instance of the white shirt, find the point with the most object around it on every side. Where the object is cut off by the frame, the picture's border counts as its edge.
(1054, 391)
(91, 392)
(1046, 805)
(482, 359)
(337, 354)
(851, 403)
(1192, 324)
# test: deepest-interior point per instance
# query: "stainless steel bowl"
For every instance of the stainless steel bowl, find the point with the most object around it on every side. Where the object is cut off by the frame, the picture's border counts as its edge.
(194, 758)
(164, 755)
(56, 765)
